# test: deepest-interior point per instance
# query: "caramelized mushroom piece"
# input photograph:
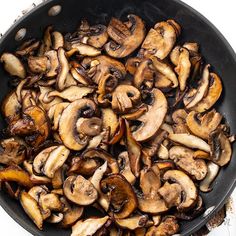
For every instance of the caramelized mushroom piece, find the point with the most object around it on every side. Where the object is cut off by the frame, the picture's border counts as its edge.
(38, 65)
(127, 37)
(133, 222)
(109, 120)
(123, 199)
(79, 190)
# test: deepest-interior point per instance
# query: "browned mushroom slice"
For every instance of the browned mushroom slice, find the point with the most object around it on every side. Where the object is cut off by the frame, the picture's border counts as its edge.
(163, 152)
(98, 153)
(127, 36)
(67, 123)
(183, 158)
(79, 190)
(214, 92)
(109, 119)
(55, 218)
(36, 192)
(166, 71)
(153, 118)
(194, 96)
(212, 171)
(134, 151)
(124, 97)
(12, 151)
(80, 76)
(89, 226)
(119, 132)
(187, 186)
(71, 93)
(190, 141)
(171, 193)
(58, 40)
(160, 40)
(132, 64)
(169, 226)
(63, 69)
(28, 47)
(221, 150)
(203, 125)
(165, 165)
(38, 65)
(13, 65)
(54, 63)
(49, 160)
(132, 223)
(179, 117)
(47, 41)
(144, 75)
(125, 169)
(31, 208)
(16, 174)
(123, 199)
(136, 114)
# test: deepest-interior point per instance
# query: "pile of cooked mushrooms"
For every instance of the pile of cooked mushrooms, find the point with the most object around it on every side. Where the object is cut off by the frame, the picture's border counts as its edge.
(111, 129)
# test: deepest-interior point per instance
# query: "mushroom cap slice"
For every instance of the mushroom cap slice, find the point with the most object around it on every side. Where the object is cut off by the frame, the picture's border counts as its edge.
(190, 141)
(202, 126)
(221, 150)
(153, 118)
(109, 119)
(79, 190)
(13, 65)
(67, 124)
(89, 126)
(132, 223)
(31, 208)
(183, 158)
(214, 92)
(160, 40)
(126, 40)
(123, 199)
(187, 186)
(89, 226)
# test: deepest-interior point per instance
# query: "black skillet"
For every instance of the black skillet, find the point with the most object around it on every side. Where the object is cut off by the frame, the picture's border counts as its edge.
(214, 47)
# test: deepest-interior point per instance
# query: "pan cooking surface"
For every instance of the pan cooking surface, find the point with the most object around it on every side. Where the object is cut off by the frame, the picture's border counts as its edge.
(196, 28)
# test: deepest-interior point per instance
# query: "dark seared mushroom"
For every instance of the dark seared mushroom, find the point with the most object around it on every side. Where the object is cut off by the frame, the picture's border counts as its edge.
(127, 37)
(123, 200)
(28, 48)
(79, 190)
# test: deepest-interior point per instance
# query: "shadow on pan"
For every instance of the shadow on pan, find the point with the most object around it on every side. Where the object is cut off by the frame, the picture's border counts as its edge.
(214, 48)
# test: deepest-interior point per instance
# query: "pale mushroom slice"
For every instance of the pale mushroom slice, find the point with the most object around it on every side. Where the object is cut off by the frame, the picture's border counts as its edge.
(187, 185)
(67, 124)
(39, 64)
(71, 93)
(80, 190)
(190, 141)
(194, 96)
(85, 49)
(183, 158)
(31, 208)
(89, 226)
(127, 37)
(214, 92)
(58, 40)
(13, 65)
(123, 201)
(203, 125)
(153, 118)
(161, 39)
(133, 222)
(109, 119)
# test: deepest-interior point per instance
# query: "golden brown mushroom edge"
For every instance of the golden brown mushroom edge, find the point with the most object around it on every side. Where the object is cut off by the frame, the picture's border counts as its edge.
(117, 118)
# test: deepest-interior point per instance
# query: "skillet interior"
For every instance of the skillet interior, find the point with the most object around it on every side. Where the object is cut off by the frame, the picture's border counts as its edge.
(196, 28)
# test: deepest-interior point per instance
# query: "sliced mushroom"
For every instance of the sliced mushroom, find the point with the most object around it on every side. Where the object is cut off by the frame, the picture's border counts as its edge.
(160, 40)
(31, 208)
(169, 226)
(194, 96)
(119, 132)
(132, 64)
(153, 118)
(67, 123)
(221, 150)
(38, 65)
(85, 49)
(123, 199)
(54, 63)
(12, 151)
(127, 36)
(132, 223)
(179, 117)
(187, 185)
(214, 92)
(163, 152)
(79, 190)
(125, 169)
(58, 40)
(183, 158)
(124, 98)
(28, 48)
(55, 218)
(89, 226)
(13, 65)
(212, 172)
(49, 160)
(109, 119)
(190, 141)
(203, 125)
